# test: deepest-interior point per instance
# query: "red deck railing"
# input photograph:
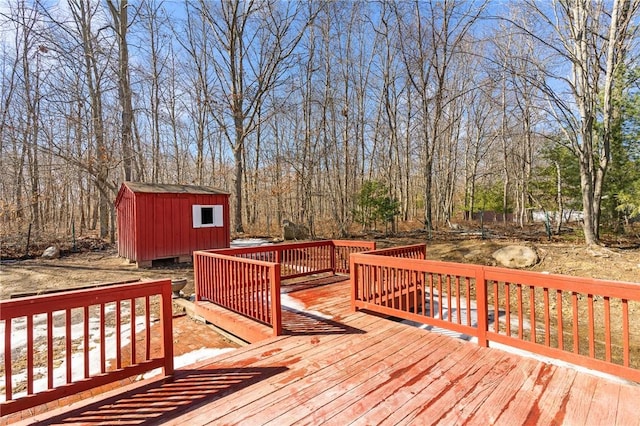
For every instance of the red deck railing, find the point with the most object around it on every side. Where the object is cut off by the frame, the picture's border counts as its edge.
(579, 320)
(247, 280)
(343, 249)
(60, 344)
(416, 251)
(244, 285)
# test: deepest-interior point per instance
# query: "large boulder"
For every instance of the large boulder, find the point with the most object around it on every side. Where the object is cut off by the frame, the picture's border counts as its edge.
(291, 231)
(52, 252)
(516, 256)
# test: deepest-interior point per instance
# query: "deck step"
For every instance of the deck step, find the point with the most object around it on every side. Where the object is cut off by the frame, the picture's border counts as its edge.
(245, 328)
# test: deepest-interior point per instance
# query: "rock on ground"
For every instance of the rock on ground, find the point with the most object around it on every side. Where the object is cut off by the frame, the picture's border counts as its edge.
(292, 231)
(516, 256)
(52, 252)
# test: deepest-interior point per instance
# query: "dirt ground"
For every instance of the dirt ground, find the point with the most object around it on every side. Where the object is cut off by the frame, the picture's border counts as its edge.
(75, 270)
(99, 263)
(619, 261)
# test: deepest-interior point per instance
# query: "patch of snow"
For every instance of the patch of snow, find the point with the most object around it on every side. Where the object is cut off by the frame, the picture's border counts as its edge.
(19, 345)
(296, 305)
(450, 312)
(250, 242)
(291, 302)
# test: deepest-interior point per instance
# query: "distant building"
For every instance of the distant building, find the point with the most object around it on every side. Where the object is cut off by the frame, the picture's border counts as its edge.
(492, 216)
(567, 216)
(163, 221)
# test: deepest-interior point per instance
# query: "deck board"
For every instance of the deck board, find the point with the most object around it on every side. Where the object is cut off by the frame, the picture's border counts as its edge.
(310, 357)
(580, 399)
(523, 406)
(380, 396)
(338, 367)
(456, 384)
(497, 394)
(604, 405)
(435, 383)
(549, 408)
(627, 413)
(369, 368)
(321, 381)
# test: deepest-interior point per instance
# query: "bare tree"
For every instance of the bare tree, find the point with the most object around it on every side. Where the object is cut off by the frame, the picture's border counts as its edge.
(430, 42)
(254, 42)
(83, 13)
(594, 38)
(158, 60)
(482, 132)
(120, 16)
(200, 97)
(18, 125)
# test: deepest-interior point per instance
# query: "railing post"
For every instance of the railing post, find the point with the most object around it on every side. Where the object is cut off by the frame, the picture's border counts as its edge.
(353, 276)
(334, 247)
(482, 306)
(276, 307)
(167, 327)
(196, 275)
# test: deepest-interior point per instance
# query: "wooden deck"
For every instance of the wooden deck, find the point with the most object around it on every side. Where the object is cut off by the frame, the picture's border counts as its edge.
(338, 367)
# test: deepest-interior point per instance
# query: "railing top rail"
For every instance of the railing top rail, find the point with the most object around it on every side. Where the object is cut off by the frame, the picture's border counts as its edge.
(33, 305)
(354, 243)
(269, 248)
(239, 250)
(382, 251)
(233, 258)
(303, 244)
(608, 288)
(419, 265)
(620, 289)
(291, 246)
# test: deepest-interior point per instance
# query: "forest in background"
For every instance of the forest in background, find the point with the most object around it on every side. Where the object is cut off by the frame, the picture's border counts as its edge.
(332, 114)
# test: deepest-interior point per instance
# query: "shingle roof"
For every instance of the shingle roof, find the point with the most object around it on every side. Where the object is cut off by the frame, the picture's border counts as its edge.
(139, 187)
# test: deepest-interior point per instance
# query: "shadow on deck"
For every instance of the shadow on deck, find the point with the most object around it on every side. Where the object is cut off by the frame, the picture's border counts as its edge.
(297, 323)
(294, 321)
(163, 399)
(307, 284)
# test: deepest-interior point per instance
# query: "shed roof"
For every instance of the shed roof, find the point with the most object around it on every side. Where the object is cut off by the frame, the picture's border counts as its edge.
(167, 188)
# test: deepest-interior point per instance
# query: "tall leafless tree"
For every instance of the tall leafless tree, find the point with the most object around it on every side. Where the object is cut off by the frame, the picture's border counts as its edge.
(254, 42)
(120, 16)
(431, 40)
(592, 38)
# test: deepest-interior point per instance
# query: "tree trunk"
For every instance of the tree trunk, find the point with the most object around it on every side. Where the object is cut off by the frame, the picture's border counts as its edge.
(120, 16)
(237, 157)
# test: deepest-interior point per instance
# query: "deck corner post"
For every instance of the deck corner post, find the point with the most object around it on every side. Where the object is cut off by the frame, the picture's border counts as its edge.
(196, 275)
(167, 327)
(353, 278)
(483, 307)
(334, 247)
(276, 305)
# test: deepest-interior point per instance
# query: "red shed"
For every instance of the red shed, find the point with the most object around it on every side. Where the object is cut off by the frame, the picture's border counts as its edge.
(162, 221)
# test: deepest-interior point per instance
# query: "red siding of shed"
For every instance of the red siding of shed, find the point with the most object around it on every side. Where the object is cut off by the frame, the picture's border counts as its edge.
(160, 225)
(126, 224)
